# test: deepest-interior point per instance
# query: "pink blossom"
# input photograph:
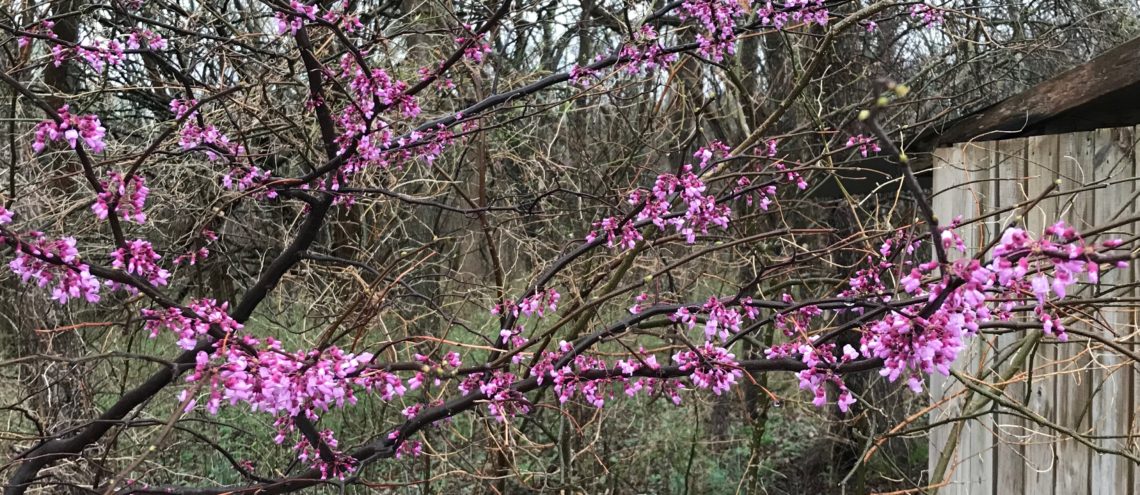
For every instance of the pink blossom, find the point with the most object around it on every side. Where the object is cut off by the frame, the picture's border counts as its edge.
(210, 140)
(146, 38)
(70, 128)
(55, 263)
(711, 367)
(582, 76)
(638, 300)
(645, 54)
(339, 468)
(128, 195)
(207, 312)
(866, 144)
(246, 178)
(927, 15)
(193, 256)
(138, 258)
(292, 22)
(475, 47)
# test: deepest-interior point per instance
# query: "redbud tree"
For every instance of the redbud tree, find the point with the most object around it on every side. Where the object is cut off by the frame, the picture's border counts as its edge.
(391, 244)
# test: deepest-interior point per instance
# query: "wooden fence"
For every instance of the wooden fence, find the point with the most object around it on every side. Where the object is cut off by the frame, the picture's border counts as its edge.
(1086, 387)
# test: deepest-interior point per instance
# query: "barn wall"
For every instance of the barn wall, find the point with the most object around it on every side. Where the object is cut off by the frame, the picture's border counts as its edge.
(1082, 385)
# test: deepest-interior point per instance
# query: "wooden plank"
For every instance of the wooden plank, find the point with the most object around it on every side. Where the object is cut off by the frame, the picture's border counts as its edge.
(1110, 407)
(976, 192)
(963, 189)
(945, 175)
(1009, 450)
(1074, 379)
(1040, 456)
(1134, 321)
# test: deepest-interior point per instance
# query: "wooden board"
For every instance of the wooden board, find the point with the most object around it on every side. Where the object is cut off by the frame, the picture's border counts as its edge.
(947, 174)
(1040, 453)
(1110, 406)
(1009, 448)
(1073, 384)
(976, 190)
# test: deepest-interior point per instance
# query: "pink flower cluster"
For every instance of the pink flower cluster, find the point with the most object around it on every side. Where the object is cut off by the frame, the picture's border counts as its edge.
(100, 53)
(793, 11)
(645, 53)
(568, 379)
(128, 196)
(567, 382)
(701, 212)
(820, 360)
(717, 21)
(503, 401)
(70, 128)
(207, 312)
(286, 384)
(744, 185)
(291, 22)
(138, 258)
(55, 263)
(795, 323)
(816, 377)
(1063, 251)
(339, 468)
(374, 92)
(911, 343)
(450, 360)
(182, 108)
(711, 367)
(246, 178)
(582, 76)
(98, 56)
(651, 386)
(146, 38)
(278, 382)
(866, 144)
(638, 301)
(45, 28)
(915, 339)
(210, 140)
(619, 233)
(868, 283)
(186, 328)
(475, 47)
(192, 257)
(720, 320)
(536, 304)
(927, 15)
(407, 448)
(791, 176)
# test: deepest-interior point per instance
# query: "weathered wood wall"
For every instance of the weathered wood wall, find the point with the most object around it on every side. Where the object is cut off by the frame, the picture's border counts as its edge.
(1083, 385)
